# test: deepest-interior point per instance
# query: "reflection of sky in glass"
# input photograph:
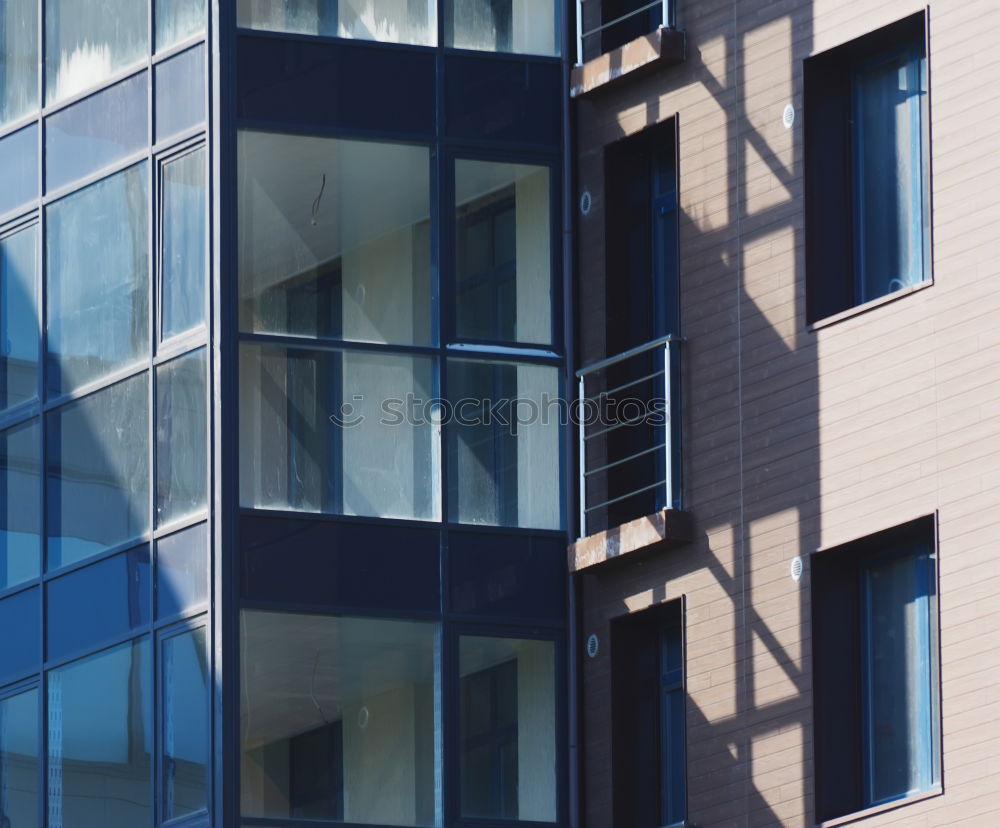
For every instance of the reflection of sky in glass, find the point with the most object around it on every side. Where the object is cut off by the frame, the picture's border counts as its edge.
(97, 272)
(18, 317)
(96, 132)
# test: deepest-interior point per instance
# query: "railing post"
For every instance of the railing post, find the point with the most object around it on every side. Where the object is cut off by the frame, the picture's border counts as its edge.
(668, 452)
(582, 465)
(666, 13)
(579, 32)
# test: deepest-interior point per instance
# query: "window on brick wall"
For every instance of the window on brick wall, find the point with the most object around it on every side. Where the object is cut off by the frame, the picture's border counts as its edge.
(875, 656)
(867, 169)
(648, 735)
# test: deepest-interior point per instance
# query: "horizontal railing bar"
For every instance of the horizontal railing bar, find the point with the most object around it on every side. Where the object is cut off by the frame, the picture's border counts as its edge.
(615, 427)
(611, 391)
(632, 13)
(633, 493)
(661, 445)
(639, 349)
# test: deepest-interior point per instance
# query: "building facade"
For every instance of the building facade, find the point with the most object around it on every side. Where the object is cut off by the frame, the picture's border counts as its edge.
(788, 209)
(271, 551)
(498, 412)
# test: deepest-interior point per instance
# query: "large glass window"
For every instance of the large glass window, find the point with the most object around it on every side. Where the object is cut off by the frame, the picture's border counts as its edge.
(18, 169)
(183, 260)
(507, 728)
(877, 717)
(184, 727)
(334, 238)
(103, 601)
(87, 41)
(98, 280)
(180, 92)
(329, 431)
(340, 719)
(503, 443)
(19, 317)
(181, 437)
(523, 26)
(177, 20)
(96, 132)
(18, 59)
(19, 760)
(503, 265)
(20, 653)
(395, 21)
(20, 504)
(182, 571)
(98, 471)
(867, 169)
(100, 739)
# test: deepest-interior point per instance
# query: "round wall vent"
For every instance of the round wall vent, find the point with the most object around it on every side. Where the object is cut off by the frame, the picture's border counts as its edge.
(788, 116)
(585, 202)
(796, 568)
(593, 646)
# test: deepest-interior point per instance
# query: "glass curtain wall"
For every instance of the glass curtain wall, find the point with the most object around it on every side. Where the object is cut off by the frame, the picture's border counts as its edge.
(104, 473)
(335, 246)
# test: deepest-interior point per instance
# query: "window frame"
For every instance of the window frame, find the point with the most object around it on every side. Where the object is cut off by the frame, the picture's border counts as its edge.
(835, 286)
(841, 647)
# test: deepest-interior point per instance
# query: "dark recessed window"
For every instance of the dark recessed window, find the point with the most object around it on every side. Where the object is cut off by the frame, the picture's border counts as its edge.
(867, 169)
(648, 727)
(875, 657)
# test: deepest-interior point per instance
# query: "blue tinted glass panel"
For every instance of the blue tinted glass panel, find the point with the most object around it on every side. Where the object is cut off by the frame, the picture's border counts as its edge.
(177, 20)
(19, 765)
(182, 571)
(515, 576)
(900, 677)
(180, 92)
(890, 177)
(101, 739)
(18, 169)
(280, 79)
(20, 644)
(18, 59)
(502, 100)
(19, 317)
(96, 132)
(98, 475)
(87, 41)
(98, 280)
(400, 569)
(181, 437)
(20, 496)
(185, 724)
(182, 291)
(97, 603)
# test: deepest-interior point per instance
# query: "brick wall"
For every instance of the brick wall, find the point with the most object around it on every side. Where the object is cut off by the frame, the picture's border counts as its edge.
(798, 439)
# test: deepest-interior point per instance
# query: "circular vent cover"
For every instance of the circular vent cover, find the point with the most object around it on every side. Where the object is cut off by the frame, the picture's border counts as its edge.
(593, 646)
(796, 568)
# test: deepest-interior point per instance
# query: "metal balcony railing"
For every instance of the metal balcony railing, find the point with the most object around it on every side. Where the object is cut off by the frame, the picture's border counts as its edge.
(592, 31)
(628, 435)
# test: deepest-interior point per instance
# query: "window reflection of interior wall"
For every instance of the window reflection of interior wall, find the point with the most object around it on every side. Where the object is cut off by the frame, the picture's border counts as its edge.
(523, 26)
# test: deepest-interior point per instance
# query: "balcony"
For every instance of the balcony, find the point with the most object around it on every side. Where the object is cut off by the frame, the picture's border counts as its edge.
(616, 38)
(629, 449)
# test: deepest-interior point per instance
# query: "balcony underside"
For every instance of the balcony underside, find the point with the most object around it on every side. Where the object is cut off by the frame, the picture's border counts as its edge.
(660, 530)
(658, 48)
